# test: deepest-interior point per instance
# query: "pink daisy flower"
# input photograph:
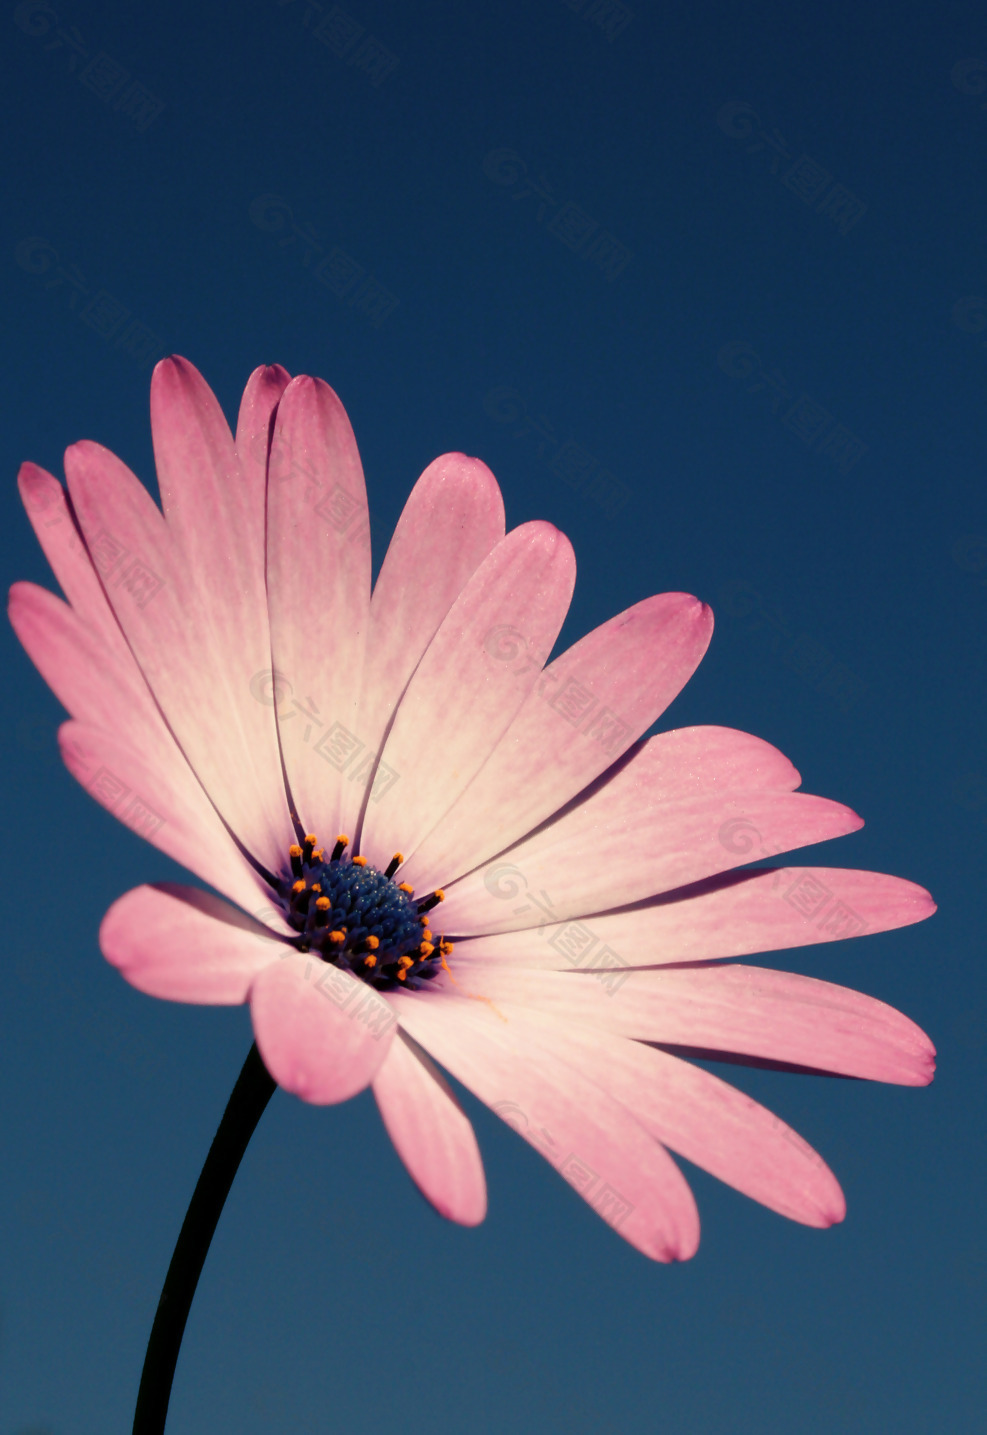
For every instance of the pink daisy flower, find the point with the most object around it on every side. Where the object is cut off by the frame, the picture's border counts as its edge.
(440, 850)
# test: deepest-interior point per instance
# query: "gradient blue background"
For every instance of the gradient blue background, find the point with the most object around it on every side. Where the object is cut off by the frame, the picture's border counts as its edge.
(850, 601)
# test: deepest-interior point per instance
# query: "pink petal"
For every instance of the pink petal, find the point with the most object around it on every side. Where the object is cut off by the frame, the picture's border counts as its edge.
(697, 761)
(748, 1010)
(216, 517)
(213, 516)
(624, 844)
(156, 794)
(431, 1132)
(216, 511)
(253, 434)
(463, 696)
(454, 516)
(47, 507)
(593, 1141)
(318, 582)
(93, 682)
(185, 945)
(586, 710)
(729, 916)
(323, 1035)
(121, 751)
(712, 1124)
(188, 653)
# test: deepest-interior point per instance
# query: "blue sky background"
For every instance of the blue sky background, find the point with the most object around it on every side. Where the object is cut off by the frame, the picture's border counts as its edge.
(707, 288)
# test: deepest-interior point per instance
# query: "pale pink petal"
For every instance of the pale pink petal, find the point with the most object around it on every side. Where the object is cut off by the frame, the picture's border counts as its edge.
(732, 915)
(156, 795)
(593, 1141)
(751, 1011)
(585, 710)
(712, 1124)
(624, 844)
(431, 1133)
(318, 582)
(697, 761)
(322, 1034)
(121, 751)
(454, 516)
(214, 518)
(216, 512)
(226, 733)
(47, 507)
(92, 681)
(463, 696)
(185, 945)
(254, 428)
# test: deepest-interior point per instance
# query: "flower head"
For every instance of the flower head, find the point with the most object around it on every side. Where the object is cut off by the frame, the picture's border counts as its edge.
(440, 847)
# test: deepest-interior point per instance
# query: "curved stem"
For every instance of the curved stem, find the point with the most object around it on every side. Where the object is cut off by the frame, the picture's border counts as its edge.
(253, 1090)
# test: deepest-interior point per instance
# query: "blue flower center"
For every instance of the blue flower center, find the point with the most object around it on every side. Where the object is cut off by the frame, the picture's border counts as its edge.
(358, 918)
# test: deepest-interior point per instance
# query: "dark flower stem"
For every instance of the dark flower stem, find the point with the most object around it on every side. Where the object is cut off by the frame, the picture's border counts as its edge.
(254, 1089)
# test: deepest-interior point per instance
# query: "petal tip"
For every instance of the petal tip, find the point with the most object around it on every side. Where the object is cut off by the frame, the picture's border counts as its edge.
(272, 374)
(172, 371)
(31, 478)
(468, 1216)
(831, 1210)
